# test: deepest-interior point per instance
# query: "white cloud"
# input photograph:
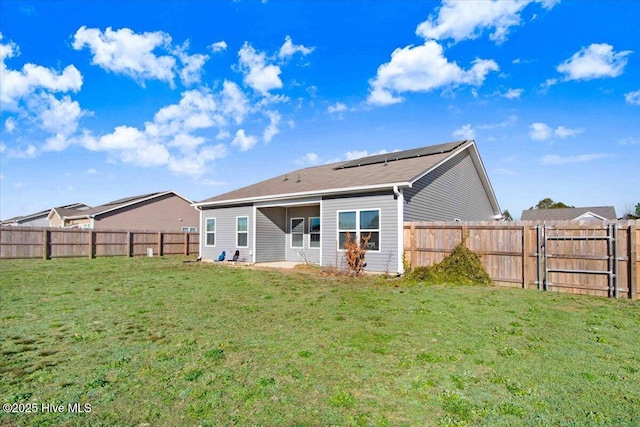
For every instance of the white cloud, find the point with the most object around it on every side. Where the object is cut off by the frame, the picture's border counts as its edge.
(125, 52)
(60, 117)
(338, 107)
(196, 110)
(243, 141)
(598, 60)
(564, 132)
(171, 139)
(421, 69)
(196, 163)
(356, 154)
(288, 49)
(503, 171)
(308, 159)
(10, 125)
(632, 140)
(91, 171)
(258, 75)
(540, 131)
(512, 93)
(234, 102)
(272, 129)
(20, 85)
(509, 121)
(633, 98)
(465, 132)
(555, 159)
(191, 72)
(219, 46)
(460, 20)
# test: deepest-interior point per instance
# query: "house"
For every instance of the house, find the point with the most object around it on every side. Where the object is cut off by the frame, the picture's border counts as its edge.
(162, 211)
(39, 219)
(582, 215)
(306, 214)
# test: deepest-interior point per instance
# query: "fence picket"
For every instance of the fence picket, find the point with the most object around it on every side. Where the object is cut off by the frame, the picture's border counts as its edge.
(525, 254)
(47, 243)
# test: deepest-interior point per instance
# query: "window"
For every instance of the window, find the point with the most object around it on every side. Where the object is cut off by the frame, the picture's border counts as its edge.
(242, 231)
(359, 225)
(314, 232)
(189, 229)
(210, 231)
(297, 232)
(370, 224)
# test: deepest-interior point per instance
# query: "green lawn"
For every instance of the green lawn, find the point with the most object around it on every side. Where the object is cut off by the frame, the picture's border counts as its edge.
(156, 342)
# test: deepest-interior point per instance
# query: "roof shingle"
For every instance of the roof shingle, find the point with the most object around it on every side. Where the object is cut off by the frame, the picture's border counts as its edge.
(385, 169)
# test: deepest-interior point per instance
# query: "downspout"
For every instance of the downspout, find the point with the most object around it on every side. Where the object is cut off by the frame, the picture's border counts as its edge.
(400, 200)
(396, 191)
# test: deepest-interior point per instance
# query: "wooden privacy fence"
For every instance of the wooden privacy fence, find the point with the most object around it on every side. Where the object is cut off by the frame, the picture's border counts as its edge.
(596, 259)
(31, 242)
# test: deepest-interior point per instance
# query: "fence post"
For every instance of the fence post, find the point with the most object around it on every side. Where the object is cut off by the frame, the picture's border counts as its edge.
(186, 244)
(46, 244)
(525, 256)
(92, 244)
(129, 244)
(413, 261)
(631, 256)
(160, 243)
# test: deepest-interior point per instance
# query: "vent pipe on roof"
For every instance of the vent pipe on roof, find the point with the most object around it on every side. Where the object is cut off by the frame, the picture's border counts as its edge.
(286, 177)
(299, 179)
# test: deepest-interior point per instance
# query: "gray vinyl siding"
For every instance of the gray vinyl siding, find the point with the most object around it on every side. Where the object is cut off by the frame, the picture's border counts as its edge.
(226, 232)
(271, 236)
(453, 190)
(306, 212)
(384, 260)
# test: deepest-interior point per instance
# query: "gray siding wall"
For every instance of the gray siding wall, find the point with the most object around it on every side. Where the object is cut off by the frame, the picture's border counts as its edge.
(293, 254)
(271, 236)
(453, 190)
(384, 260)
(165, 213)
(226, 232)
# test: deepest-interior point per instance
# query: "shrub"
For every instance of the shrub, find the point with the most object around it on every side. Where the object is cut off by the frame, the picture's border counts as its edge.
(462, 267)
(354, 253)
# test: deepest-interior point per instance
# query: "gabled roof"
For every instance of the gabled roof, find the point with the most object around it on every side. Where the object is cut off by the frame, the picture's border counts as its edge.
(115, 205)
(74, 207)
(569, 214)
(383, 171)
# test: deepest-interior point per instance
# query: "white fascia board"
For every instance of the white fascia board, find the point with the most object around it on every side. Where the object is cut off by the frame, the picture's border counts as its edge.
(589, 215)
(294, 202)
(283, 197)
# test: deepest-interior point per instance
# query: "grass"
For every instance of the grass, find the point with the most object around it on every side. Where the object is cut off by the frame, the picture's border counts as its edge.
(155, 342)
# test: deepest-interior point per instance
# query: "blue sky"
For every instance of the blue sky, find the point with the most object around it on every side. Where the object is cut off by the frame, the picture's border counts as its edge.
(106, 99)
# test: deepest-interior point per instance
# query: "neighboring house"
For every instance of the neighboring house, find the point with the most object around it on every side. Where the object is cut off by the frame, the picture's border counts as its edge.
(583, 215)
(163, 211)
(40, 219)
(306, 214)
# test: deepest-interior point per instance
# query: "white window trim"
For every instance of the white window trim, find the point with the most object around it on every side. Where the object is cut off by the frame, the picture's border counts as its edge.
(189, 229)
(244, 232)
(319, 233)
(207, 232)
(357, 230)
(291, 233)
